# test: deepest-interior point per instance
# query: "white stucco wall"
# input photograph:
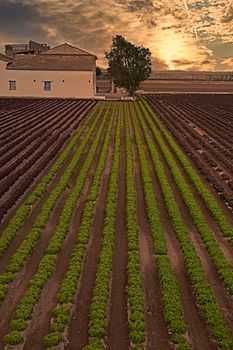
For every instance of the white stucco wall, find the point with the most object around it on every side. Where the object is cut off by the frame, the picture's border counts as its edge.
(71, 84)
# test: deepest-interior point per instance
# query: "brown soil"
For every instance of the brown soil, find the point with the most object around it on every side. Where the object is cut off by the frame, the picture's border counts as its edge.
(201, 151)
(156, 328)
(118, 332)
(174, 86)
(39, 326)
(19, 286)
(64, 131)
(37, 207)
(198, 334)
(51, 185)
(157, 332)
(221, 240)
(221, 294)
(77, 336)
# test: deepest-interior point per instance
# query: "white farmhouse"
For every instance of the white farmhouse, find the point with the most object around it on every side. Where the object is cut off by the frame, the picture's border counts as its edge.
(64, 71)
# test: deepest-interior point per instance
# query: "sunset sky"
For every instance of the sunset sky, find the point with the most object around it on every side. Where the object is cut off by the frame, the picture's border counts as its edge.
(181, 34)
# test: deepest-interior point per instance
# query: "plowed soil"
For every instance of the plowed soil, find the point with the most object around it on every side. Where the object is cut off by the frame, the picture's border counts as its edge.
(202, 127)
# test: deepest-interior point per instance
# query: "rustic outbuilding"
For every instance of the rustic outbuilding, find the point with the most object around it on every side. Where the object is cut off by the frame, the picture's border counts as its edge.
(64, 71)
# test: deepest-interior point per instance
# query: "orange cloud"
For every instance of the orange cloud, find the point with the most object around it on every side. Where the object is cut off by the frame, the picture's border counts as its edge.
(178, 32)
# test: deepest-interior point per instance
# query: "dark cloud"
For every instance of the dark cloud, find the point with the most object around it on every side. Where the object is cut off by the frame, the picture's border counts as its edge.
(19, 19)
(16, 12)
(79, 26)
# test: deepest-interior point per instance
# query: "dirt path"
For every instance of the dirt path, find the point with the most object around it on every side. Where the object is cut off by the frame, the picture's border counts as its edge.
(199, 150)
(21, 234)
(221, 294)
(118, 332)
(20, 284)
(195, 148)
(218, 235)
(41, 318)
(14, 193)
(156, 328)
(222, 241)
(77, 336)
(198, 333)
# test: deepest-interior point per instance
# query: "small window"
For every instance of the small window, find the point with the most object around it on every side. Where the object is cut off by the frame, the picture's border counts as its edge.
(47, 85)
(12, 85)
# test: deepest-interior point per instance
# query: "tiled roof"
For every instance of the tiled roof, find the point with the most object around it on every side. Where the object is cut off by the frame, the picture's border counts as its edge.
(66, 49)
(53, 62)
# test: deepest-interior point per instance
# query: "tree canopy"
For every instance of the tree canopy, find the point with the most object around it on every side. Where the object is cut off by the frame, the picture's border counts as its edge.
(128, 65)
(98, 72)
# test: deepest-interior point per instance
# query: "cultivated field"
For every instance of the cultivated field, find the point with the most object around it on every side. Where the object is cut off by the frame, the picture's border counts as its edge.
(116, 224)
(203, 127)
(154, 86)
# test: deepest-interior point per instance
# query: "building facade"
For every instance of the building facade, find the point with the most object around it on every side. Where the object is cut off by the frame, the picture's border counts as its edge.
(61, 72)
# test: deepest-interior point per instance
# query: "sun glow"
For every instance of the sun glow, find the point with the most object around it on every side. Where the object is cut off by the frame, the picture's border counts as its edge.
(170, 65)
(179, 50)
(170, 47)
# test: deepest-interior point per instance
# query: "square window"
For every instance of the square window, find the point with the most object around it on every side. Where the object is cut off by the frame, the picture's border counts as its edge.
(47, 85)
(12, 85)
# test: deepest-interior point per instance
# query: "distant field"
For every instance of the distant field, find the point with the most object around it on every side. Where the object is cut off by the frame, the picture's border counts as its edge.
(186, 86)
(175, 86)
(116, 223)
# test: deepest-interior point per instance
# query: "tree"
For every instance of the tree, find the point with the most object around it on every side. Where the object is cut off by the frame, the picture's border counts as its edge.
(128, 65)
(98, 72)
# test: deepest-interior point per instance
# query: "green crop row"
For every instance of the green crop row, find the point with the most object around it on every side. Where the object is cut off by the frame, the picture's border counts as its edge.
(171, 297)
(152, 207)
(135, 283)
(69, 285)
(22, 213)
(56, 241)
(18, 259)
(101, 292)
(223, 267)
(209, 199)
(205, 297)
(25, 308)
